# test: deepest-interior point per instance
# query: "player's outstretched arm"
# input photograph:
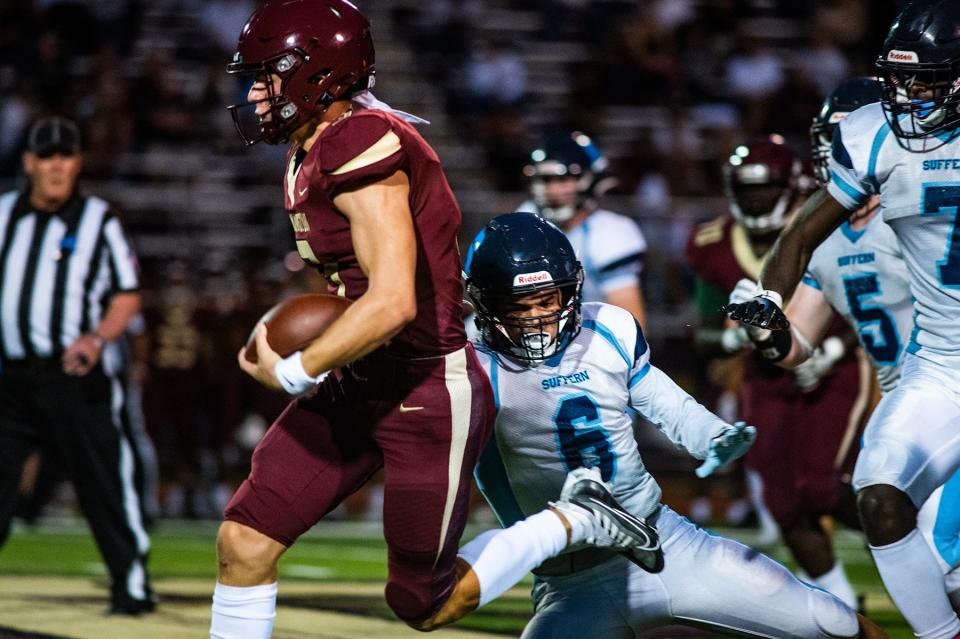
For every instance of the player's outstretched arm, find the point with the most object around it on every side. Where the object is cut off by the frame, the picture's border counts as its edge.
(819, 216)
(683, 420)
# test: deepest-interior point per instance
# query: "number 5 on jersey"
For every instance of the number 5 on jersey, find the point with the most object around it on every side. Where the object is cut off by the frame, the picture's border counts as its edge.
(872, 319)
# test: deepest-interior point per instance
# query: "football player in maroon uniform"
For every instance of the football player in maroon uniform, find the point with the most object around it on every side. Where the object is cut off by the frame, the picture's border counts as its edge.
(392, 383)
(807, 427)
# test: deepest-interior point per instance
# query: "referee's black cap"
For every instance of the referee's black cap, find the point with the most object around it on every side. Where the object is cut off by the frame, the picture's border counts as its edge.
(53, 135)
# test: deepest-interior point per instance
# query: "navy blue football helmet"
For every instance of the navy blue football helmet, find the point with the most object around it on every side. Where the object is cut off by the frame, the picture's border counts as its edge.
(514, 255)
(849, 96)
(920, 71)
(567, 155)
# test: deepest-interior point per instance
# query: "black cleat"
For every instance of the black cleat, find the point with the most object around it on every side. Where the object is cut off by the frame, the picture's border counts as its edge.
(632, 536)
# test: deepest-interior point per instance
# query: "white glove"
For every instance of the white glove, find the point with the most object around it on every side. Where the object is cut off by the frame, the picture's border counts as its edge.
(730, 444)
(821, 362)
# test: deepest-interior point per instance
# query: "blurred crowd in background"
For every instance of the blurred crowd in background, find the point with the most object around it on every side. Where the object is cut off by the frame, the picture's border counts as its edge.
(666, 88)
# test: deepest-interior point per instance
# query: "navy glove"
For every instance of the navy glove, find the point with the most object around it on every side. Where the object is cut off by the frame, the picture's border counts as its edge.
(763, 310)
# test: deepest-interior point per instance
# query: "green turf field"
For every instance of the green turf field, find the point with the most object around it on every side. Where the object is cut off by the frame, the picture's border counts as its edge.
(337, 568)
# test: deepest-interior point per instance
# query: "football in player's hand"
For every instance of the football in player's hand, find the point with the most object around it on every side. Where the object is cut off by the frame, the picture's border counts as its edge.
(295, 322)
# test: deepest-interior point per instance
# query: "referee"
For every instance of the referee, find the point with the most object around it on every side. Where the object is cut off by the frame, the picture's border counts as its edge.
(68, 288)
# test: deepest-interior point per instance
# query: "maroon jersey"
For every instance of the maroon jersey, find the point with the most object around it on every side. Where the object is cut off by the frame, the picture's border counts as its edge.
(720, 254)
(366, 147)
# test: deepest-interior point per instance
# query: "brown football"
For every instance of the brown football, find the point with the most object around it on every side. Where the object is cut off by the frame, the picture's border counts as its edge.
(295, 322)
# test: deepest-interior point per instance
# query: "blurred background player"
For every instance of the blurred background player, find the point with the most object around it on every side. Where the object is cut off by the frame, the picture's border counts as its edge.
(807, 427)
(904, 149)
(69, 288)
(583, 365)
(566, 176)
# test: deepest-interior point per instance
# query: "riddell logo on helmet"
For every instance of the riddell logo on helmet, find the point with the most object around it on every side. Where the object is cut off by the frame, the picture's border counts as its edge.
(525, 279)
(897, 55)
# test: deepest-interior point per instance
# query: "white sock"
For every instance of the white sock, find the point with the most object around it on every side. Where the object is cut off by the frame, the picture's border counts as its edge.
(501, 558)
(243, 613)
(915, 583)
(582, 527)
(836, 583)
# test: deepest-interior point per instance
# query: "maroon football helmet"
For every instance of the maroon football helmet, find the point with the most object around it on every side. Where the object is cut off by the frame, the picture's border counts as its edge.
(321, 49)
(762, 181)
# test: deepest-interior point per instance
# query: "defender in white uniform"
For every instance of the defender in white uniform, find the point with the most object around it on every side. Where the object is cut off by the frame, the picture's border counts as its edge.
(563, 380)
(859, 272)
(567, 174)
(906, 149)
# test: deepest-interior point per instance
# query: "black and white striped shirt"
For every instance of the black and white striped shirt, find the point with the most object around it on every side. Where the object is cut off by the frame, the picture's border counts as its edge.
(57, 272)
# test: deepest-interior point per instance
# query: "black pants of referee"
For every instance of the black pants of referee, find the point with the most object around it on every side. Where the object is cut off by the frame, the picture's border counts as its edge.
(78, 420)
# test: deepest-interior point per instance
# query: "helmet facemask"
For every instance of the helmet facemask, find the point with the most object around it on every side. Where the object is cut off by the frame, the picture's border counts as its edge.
(821, 143)
(283, 117)
(847, 97)
(541, 175)
(762, 181)
(762, 208)
(920, 100)
(568, 157)
(528, 339)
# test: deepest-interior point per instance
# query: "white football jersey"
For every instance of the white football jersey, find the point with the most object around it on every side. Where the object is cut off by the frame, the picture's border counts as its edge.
(610, 247)
(571, 411)
(920, 199)
(864, 278)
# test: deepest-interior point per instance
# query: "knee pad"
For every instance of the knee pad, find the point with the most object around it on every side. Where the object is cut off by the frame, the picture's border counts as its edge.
(833, 618)
(881, 462)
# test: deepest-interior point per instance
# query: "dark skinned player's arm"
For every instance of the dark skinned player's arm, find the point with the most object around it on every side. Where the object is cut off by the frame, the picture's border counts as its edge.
(788, 259)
